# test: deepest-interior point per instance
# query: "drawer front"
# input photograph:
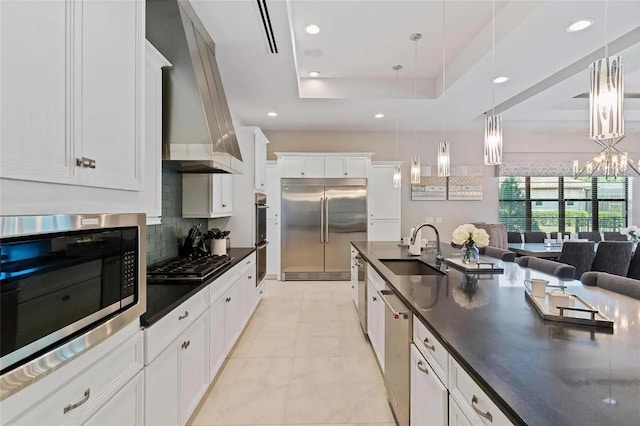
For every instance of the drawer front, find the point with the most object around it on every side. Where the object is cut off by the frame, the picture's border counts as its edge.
(222, 284)
(74, 402)
(432, 350)
(247, 263)
(375, 278)
(478, 407)
(160, 335)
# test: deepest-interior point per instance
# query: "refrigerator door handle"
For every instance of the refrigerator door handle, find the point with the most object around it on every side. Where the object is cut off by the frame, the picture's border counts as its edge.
(326, 218)
(321, 220)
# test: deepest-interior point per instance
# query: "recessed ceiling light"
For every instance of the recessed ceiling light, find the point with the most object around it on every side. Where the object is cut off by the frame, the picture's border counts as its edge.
(379, 115)
(580, 25)
(500, 79)
(314, 73)
(312, 29)
(272, 114)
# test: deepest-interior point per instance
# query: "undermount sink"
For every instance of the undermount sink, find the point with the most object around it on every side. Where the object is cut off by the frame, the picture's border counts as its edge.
(409, 267)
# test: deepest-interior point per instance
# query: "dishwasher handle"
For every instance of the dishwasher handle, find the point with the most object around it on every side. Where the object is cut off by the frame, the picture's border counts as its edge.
(396, 314)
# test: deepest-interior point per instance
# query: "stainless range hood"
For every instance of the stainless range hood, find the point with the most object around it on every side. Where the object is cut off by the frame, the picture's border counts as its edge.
(198, 135)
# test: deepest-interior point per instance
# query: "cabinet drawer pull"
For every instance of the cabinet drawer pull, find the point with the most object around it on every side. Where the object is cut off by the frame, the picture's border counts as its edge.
(186, 344)
(224, 205)
(92, 163)
(487, 415)
(87, 394)
(427, 345)
(249, 277)
(422, 367)
(248, 262)
(374, 298)
(228, 299)
(183, 316)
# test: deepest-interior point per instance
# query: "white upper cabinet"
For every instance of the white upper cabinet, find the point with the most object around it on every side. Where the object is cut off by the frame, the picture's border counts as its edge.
(345, 167)
(384, 199)
(207, 195)
(260, 160)
(301, 167)
(79, 119)
(273, 192)
(152, 197)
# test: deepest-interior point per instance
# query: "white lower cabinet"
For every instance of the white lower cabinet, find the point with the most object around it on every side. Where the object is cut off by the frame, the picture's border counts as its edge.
(126, 408)
(429, 397)
(354, 276)
(231, 318)
(273, 249)
(456, 416)
(375, 322)
(217, 347)
(179, 376)
(193, 346)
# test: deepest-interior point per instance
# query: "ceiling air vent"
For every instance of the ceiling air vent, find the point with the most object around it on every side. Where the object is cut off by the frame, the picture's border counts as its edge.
(266, 23)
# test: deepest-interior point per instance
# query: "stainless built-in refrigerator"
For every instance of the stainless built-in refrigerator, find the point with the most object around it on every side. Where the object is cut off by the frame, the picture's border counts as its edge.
(320, 217)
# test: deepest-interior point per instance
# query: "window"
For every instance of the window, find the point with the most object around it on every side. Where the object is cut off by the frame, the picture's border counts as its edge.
(564, 204)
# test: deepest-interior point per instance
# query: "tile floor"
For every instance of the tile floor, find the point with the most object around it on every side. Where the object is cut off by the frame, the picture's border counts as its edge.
(302, 360)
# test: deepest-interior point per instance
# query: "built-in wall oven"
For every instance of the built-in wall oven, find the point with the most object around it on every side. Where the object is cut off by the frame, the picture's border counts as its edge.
(261, 237)
(65, 283)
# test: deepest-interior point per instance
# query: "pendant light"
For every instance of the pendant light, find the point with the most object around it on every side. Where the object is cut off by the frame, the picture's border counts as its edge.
(444, 161)
(606, 115)
(397, 171)
(415, 160)
(493, 123)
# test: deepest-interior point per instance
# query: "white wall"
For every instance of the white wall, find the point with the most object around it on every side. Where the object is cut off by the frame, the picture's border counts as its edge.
(466, 149)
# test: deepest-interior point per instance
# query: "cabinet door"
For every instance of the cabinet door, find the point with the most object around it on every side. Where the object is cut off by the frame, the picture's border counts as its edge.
(379, 313)
(217, 348)
(36, 133)
(161, 389)
(231, 317)
(429, 397)
(273, 249)
(193, 346)
(291, 167)
(456, 415)
(273, 192)
(354, 278)
(355, 167)
(260, 160)
(384, 199)
(334, 167)
(384, 230)
(111, 46)
(372, 319)
(224, 183)
(125, 408)
(313, 167)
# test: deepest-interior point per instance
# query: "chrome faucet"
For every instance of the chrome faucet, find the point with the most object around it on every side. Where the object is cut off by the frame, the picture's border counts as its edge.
(438, 252)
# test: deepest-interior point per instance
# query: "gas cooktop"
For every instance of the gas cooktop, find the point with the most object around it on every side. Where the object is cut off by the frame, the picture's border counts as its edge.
(197, 268)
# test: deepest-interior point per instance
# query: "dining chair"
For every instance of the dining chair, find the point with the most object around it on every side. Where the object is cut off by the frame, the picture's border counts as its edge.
(505, 255)
(578, 254)
(614, 236)
(560, 270)
(514, 237)
(535, 237)
(613, 257)
(627, 286)
(634, 266)
(591, 236)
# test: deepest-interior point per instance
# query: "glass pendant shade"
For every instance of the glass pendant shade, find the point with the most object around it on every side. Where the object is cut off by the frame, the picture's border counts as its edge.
(606, 119)
(493, 140)
(397, 177)
(443, 159)
(415, 170)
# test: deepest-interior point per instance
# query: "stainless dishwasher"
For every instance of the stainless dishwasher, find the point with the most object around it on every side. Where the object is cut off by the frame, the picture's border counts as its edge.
(362, 292)
(397, 356)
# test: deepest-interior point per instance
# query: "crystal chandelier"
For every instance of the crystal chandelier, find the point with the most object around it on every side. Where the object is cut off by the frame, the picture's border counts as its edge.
(606, 117)
(415, 160)
(493, 123)
(443, 146)
(397, 171)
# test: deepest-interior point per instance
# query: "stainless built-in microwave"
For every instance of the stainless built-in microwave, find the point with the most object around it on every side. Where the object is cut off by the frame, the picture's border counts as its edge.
(67, 282)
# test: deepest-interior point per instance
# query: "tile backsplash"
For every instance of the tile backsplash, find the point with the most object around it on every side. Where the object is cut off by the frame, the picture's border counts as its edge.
(165, 240)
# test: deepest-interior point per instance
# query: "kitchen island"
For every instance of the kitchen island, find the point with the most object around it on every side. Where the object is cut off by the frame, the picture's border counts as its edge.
(537, 373)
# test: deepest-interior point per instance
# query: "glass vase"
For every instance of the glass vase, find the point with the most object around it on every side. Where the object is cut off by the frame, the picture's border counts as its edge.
(470, 253)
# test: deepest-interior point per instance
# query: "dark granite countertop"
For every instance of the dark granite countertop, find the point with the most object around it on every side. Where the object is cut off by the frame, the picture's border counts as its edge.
(163, 298)
(539, 373)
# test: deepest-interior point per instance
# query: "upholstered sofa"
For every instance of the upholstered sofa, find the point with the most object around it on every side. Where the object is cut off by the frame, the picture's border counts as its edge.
(616, 283)
(560, 270)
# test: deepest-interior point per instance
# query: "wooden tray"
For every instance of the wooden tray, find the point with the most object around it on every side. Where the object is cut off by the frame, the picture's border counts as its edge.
(481, 267)
(582, 313)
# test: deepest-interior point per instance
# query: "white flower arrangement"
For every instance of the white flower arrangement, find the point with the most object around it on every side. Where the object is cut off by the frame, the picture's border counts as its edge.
(468, 234)
(632, 232)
